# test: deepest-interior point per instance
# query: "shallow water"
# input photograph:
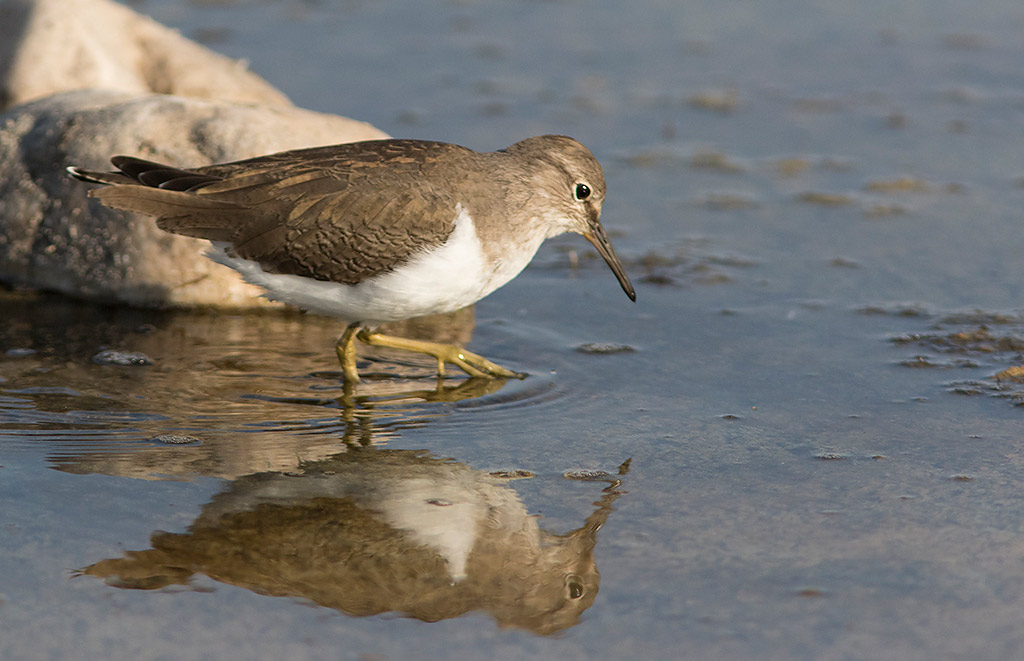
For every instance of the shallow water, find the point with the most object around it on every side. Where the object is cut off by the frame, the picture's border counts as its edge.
(820, 205)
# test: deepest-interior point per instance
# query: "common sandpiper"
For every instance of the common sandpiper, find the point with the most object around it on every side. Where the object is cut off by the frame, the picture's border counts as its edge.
(377, 231)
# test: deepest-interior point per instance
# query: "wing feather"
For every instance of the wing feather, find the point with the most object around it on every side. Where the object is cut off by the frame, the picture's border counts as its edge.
(329, 213)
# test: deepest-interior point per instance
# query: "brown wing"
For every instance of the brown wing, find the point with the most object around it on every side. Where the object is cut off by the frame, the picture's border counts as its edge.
(342, 213)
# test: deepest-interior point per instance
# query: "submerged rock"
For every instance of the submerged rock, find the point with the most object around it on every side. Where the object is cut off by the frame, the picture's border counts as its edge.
(122, 358)
(604, 348)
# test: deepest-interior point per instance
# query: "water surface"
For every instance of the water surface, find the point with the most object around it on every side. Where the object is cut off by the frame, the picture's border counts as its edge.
(820, 205)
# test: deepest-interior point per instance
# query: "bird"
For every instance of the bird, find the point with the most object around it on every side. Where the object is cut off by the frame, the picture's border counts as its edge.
(377, 231)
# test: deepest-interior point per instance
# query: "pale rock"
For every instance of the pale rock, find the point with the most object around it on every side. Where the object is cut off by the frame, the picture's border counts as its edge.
(53, 237)
(49, 46)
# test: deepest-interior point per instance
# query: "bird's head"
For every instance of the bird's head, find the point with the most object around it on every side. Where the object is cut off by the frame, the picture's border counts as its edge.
(570, 178)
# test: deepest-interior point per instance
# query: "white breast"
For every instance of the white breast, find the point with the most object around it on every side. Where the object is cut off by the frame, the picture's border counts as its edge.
(448, 278)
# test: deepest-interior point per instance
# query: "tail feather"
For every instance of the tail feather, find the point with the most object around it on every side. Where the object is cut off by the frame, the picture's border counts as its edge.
(175, 211)
(168, 194)
(158, 175)
(93, 177)
(136, 171)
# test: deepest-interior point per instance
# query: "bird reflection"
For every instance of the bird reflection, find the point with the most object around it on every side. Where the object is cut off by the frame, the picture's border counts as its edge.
(372, 531)
(313, 507)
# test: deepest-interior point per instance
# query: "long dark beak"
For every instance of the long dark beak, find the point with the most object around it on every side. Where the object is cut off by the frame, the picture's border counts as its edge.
(597, 236)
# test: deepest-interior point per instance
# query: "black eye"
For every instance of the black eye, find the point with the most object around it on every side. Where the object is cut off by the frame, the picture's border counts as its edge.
(582, 191)
(574, 586)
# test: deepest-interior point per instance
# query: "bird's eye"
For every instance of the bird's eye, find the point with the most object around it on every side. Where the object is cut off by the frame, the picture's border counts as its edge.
(582, 191)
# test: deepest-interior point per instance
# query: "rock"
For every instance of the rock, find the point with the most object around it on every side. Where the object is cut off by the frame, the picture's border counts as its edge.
(1014, 374)
(53, 237)
(49, 46)
(123, 66)
(122, 358)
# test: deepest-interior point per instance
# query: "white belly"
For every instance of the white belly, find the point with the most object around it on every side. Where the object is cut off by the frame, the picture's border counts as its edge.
(444, 280)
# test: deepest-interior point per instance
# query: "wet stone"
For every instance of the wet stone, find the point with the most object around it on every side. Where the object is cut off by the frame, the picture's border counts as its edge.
(967, 388)
(604, 348)
(586, 475)
(658, 279)
(896, 310)
(920, 361)
(885, 210)
(810, 592)
(981, 318)
(723, 101)
(715, 161)
(1013, 374)
(727, 202)
(898, 185)
(517, 474)
(826, 199)
(122, 358)
(176, 439)
(843, 262)
(789, 167)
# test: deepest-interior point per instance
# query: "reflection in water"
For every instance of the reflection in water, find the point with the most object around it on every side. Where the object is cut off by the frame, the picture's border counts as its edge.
(208, 449)
(50, 332)
(271, 375)
(313, 507)
(372, 531)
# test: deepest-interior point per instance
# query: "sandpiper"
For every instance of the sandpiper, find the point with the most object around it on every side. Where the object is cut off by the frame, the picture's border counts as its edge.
(377, 231)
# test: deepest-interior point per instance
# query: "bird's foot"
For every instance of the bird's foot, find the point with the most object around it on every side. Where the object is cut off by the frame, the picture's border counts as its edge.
(346, 349)
(469, 362)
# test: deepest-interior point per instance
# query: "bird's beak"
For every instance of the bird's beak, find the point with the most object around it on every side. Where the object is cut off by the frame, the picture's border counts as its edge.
(596, 235)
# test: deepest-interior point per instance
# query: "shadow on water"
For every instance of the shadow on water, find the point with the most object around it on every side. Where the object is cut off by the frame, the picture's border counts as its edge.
(312, 507)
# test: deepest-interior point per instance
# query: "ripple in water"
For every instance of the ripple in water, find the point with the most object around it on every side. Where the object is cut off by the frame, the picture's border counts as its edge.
(284, 408)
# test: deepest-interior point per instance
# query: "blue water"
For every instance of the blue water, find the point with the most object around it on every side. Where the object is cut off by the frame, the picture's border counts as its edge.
(820, 205)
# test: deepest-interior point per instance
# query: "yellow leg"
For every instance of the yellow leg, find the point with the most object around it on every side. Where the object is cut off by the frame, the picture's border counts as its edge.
(468, 362)
(346, 349)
